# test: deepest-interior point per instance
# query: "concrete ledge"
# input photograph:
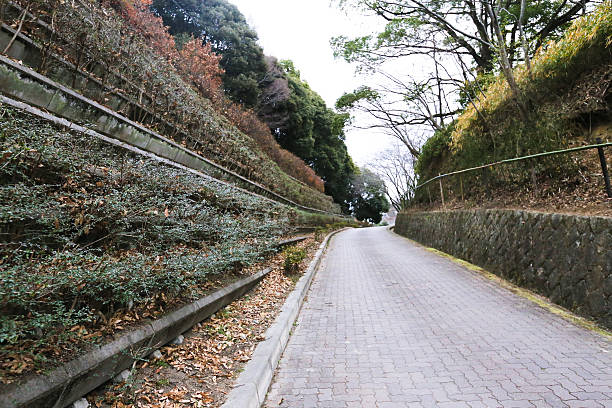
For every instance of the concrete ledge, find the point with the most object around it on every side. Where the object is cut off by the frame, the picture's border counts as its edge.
(252, 385)
(72, 380)
(89, 132)
(291, 241)
(32, 110)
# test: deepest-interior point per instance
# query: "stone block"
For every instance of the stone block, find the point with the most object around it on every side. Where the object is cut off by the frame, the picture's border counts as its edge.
(598, 306)
(180, 339)
(607, 286)
(80, 403)
(19, 86)
(122, 376)
(131, 135)
(162, 148)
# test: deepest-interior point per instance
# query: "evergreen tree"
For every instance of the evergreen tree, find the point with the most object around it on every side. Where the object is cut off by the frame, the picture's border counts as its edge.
(221, 24)
(369, 201)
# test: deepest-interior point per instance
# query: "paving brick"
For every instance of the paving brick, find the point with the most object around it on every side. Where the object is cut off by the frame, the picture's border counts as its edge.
(387, 323)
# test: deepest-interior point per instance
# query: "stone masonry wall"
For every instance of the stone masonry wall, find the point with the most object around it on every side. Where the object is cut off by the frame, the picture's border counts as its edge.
(563, 257)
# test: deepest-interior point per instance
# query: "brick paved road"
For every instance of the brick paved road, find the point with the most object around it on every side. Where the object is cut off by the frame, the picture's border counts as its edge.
(388, 324)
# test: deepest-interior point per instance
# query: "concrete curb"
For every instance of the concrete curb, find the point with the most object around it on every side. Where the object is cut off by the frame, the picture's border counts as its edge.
(78, 377)
(252, 385)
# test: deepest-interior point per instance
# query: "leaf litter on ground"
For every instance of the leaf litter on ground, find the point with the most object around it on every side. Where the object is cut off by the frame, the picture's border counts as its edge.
(201, 371)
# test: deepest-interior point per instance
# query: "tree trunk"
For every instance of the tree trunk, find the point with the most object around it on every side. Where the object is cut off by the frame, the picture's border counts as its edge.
(523, 39)
(505, 63)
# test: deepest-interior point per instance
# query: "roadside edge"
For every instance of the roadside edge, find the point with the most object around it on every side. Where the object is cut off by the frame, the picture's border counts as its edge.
(252, 385)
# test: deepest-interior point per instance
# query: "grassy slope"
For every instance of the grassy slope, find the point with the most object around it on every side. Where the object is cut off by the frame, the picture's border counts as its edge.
(165, 92)
(569, 83)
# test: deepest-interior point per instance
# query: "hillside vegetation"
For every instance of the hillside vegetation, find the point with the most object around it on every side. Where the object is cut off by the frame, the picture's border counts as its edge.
(567, 94)
(92, 234)
(174, 90)
(89, 230)
(285, 105)
(491, 81)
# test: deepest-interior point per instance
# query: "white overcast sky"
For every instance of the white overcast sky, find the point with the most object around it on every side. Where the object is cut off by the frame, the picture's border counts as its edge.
(300, 31)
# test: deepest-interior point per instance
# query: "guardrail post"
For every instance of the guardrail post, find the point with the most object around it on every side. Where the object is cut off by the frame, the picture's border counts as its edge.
(486, 182)
(604, 167)
(441, 190)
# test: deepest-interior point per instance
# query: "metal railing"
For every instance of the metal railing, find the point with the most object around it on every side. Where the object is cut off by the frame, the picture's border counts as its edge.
(599, 146)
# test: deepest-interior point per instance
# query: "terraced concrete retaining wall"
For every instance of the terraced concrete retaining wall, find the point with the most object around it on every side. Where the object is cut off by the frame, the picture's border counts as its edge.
(19, 81)
(566, 258)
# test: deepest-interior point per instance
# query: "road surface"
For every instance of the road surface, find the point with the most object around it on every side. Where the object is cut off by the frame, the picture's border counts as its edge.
(389, 324)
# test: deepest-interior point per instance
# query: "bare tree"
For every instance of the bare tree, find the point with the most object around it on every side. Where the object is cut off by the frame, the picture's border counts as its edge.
(401, 106)
(526, 51)
(475, 33)
(504, 61)
(275, 90)
(395, 166)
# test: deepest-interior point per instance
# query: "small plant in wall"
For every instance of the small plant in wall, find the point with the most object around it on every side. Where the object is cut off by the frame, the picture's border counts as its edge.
(293, 257)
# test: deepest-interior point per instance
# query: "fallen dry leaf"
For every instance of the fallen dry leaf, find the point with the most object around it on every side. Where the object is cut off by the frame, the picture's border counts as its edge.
(201, 371)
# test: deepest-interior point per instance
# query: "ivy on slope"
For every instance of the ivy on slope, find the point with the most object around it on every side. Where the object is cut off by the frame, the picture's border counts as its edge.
(87, 228)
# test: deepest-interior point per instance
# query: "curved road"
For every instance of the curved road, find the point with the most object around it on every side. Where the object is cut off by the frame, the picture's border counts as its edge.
(389, 324)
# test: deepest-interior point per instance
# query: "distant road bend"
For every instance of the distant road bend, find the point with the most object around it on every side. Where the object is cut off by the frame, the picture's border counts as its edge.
(389, 324)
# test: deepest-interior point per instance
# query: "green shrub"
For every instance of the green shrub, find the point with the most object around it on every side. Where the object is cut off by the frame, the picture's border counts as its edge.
(434, 149)
(293, 258)
(303, 219)
(87, 228)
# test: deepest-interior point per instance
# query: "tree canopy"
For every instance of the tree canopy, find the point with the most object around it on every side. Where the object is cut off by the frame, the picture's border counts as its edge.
(465, 28)
(296, 115)
(315, 133)
(458, 45)
(221, 25)
(369, 201)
